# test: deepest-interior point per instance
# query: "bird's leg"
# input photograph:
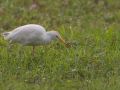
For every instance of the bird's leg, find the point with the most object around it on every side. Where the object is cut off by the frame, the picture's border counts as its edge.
(33, 51)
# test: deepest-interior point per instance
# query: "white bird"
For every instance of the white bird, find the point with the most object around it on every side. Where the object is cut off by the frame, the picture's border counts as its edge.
(32, 35)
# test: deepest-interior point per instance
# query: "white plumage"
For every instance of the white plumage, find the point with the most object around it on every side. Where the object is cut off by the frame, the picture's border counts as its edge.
(31, 35)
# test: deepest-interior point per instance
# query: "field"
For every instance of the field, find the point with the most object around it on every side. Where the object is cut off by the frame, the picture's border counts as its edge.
(91, 63)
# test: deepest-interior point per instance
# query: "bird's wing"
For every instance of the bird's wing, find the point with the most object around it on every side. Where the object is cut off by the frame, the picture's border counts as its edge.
(26, 32)
(30, 27)
(5, 34)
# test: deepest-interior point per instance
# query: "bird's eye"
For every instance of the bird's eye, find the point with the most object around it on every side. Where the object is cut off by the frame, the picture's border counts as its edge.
(56, 36)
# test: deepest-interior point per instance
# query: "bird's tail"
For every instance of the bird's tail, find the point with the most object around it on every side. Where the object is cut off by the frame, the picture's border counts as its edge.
(5, 34)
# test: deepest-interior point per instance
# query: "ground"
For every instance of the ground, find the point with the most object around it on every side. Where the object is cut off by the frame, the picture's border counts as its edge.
(91, 63)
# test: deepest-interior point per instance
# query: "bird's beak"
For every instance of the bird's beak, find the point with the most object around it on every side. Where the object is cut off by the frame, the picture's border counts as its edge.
(63, 41)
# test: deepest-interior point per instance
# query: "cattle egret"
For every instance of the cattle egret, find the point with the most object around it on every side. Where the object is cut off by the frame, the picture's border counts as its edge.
(32, 35)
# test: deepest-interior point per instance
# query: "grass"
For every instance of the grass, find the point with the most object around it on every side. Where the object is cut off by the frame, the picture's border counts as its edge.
(93, 61)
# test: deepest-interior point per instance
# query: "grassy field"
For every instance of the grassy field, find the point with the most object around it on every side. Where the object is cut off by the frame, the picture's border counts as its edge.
(93, 61)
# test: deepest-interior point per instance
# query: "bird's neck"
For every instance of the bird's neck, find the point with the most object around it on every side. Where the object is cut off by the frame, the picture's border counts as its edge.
(48, 38)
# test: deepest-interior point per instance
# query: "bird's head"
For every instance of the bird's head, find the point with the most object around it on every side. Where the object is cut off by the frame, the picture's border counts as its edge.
(56, 35)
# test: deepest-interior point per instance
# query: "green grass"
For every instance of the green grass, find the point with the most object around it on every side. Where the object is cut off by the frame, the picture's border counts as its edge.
(93, 61)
